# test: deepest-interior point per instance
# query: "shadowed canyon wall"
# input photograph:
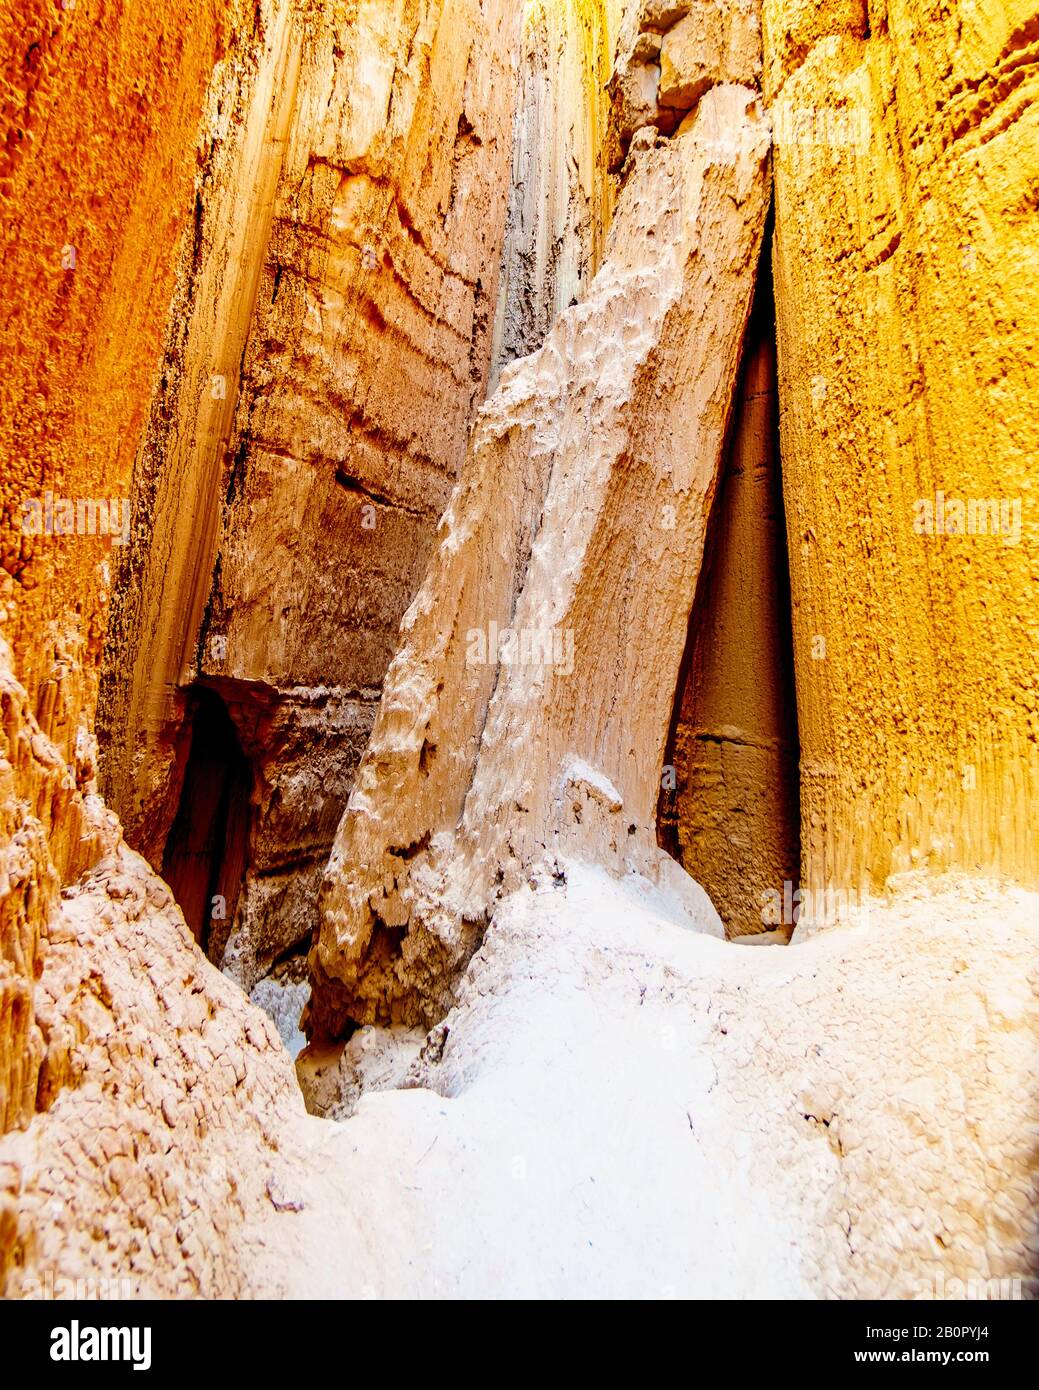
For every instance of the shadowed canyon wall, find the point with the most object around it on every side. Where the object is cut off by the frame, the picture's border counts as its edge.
(562, 193)
(329, 343)
(493, 758)
(728, 805)
(729, 798)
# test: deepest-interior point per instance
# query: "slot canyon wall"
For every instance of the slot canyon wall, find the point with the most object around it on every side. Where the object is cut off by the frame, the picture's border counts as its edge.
(329, 341)
(485, 768)
(391, 326)
(562, 186)
(905, 263)
(90, 225)
(99, 982)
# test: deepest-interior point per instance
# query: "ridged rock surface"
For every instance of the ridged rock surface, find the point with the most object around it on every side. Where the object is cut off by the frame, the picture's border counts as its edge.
(907, 290)
(99, 113)
(562, 193)
(578, 525)
(50, 832)
(144, 1094)
(329, 342)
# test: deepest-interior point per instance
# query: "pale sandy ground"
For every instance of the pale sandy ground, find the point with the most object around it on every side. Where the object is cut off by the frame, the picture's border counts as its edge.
(621, 1103)
(627, 1107)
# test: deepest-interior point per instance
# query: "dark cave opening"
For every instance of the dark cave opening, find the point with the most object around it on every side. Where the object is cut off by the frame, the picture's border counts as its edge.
(206, 850)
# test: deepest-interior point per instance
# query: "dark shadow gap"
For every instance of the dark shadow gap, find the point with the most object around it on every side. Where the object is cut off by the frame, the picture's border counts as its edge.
(206, 850)
(729, 807)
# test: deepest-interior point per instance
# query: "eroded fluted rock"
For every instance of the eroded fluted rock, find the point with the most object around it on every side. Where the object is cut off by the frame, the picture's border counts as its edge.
(100, 108)
(51, 830)
(100, 112)
(163, 1099)
(670, 52)
(142, 1091)
(907, 290)
(329, 342)
(577, 529)
(562, 192)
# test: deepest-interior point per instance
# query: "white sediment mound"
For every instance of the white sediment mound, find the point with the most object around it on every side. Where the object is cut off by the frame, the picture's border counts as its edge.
(621, 1107)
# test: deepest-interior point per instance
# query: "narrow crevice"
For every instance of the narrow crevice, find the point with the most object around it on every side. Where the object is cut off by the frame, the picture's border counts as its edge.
(204, 860)
(729, 807)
